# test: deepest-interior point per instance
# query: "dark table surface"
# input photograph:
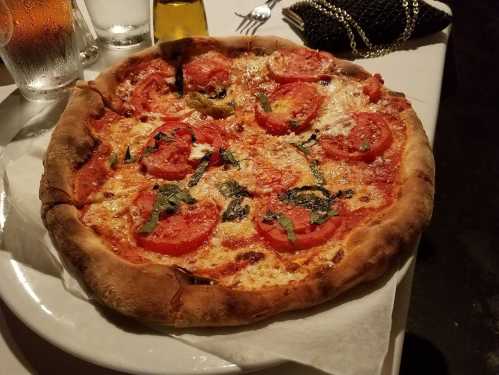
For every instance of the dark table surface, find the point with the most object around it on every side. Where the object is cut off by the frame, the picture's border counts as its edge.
(453, 324)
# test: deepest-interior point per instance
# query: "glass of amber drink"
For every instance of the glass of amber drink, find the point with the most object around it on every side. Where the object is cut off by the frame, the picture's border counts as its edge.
(175, 19)
(37, 45)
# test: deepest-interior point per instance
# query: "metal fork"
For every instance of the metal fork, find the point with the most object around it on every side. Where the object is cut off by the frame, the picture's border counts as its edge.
(256, 18)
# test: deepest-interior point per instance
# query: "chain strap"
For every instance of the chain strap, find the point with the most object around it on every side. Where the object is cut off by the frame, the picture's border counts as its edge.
(350, 25)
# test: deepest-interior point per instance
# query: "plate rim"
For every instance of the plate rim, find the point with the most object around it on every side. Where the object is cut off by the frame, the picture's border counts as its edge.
(10, 295)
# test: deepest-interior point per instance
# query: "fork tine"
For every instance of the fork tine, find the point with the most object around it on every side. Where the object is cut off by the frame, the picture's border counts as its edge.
(245, 19)
(255, 23)
(247, 25)
(255, 28)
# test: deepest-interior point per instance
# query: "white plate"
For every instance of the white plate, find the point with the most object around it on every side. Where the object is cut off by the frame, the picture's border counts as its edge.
(79, 328)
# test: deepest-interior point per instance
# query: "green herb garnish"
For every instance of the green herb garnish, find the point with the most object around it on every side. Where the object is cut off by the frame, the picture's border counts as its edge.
(316, 198)
(167, 200)
(285, 222)
(318, 217)
(128, 156)
(200, 170)
(228, 158)
(264, 102)
(235, 210)
(160, 136)
(150, 149)
(344, 194)
(364, 147)
(209, 107)
(316, 172)
(113, 160)
(294, 124)
(231, 188)
(305, 146)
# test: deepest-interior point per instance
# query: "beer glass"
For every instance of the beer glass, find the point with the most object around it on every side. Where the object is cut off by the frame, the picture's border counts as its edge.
(37, 45)
(119, 23)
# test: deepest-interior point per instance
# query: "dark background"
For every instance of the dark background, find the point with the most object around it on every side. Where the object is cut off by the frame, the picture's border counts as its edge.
(453, 325)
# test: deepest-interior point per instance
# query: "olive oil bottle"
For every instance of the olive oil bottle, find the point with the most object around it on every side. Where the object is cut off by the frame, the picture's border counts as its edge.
(175, 19)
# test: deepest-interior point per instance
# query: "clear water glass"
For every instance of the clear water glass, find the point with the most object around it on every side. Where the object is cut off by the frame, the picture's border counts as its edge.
(120, 23)
(86, 42)
(38, 46)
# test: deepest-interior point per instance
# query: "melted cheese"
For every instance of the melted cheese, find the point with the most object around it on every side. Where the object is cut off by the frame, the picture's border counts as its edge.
(256, 151)
(199, 151)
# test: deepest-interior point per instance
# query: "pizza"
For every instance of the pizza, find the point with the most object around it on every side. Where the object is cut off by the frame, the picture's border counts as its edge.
(222, 181)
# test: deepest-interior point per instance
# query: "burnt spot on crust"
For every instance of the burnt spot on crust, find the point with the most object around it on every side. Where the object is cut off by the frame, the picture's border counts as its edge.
(425, 177)
(338, 256)
(251, 257)
(193, 279)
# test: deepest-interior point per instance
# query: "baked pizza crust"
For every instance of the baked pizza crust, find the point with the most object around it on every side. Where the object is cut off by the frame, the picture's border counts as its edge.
(167, 295)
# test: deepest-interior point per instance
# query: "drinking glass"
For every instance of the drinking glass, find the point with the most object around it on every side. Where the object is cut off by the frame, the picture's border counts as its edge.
(37, 45)
(86, 42)
(119, 23)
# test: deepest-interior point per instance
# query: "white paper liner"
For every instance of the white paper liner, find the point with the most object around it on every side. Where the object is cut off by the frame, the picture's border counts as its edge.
(347, 337)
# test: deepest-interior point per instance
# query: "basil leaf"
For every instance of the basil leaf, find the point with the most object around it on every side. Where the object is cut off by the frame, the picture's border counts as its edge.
(228, 158)
(204, 105)
(344, 194)
(301, 148)
(269, 217)
(315, 198)
(294, 124)
(161, 203)
(264, 102)
(160, 136)
(167, 200)
(179, 79)
(306, 145)
(150, 150)
(128, 156)
(200, 170)
(316, 172)
(364, 147)
(286, 223)
(231, 188)
(320, 217)
(235, 211)
(113, 160)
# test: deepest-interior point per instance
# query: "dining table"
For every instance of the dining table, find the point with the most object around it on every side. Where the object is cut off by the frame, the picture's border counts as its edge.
(417, 69)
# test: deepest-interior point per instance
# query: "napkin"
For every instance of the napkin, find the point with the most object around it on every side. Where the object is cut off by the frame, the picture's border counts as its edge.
(349, 336)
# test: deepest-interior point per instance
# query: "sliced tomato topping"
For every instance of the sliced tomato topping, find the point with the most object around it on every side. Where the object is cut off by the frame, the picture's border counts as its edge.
(372, 88)
(369, 138)
(207, 72)
(212, 133)
(166, 154)
(142, 69)
(93, 173)
(291, 108)
(148, 92)
(179, 233)
(307, 235)
(270, 179)
(300, 64)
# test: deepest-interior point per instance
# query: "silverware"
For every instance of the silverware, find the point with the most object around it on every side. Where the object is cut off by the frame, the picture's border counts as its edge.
(256, 18)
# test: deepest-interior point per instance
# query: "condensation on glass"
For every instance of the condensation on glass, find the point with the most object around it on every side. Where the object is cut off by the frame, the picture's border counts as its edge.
(38, 46)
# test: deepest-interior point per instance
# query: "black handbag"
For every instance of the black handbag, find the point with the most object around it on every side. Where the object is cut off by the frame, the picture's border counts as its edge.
(324, 24)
